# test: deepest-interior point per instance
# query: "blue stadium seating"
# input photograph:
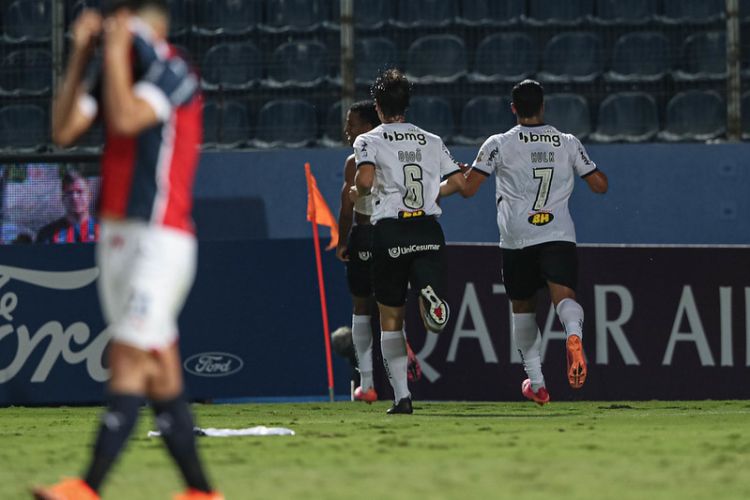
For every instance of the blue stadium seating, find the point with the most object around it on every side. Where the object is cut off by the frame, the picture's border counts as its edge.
(369, 14)
(216, 17)
(179, 16)
(704, 57)
(288, 123)
(298, 64)
(505, 57)
(625, 11)
(333, 133)
(695, 115)
(225, 123)
(692, 11)
(296, 15)
(26, 72)
(628, 117)
(417, 13)
(569, 113)
(567, 12)
(640, 57)
(745, 10)
(27, 20)
(24, 126)
(436, 58)
(572, 57)
(232, 66)
(432, 114)
(371, 56)
(491, 12)
(746, 116)
(484, 116)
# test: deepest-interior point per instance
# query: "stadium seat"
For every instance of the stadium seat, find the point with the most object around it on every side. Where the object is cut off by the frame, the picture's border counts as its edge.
(24, 126)
(288, 123)
(542, 12)
(371, 56)
(179, 16)
(295, 15)
(627, 116)
(692, 11)
(625, 11)
(695, 115)
(572, 57)
(640, 57)
(433, 114)
(26, 72)
(484, 116)
(505, 57)
(225, 123)
(746, 116)
(28, 20)
(417, 13)
(298, 64)
(216, 17)
(436, 59)
(232, 66)
(704, 57)
(333, 133)
(491, 12)
(569, 113)
(368, 14)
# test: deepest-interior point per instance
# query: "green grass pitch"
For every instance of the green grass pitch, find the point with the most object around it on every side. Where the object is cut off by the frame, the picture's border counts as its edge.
(591, 450)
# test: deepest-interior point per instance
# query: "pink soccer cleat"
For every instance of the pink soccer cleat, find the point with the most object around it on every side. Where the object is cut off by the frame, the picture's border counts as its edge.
(540, 397)
(369, 396)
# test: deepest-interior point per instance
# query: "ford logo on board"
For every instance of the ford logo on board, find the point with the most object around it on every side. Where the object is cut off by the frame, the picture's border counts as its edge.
(213, 364)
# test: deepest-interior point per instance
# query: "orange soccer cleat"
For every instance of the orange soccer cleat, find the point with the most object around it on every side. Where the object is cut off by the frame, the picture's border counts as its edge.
(540, 397)
(68, 489)
(576, 362)
(369, 396)
(192, 494)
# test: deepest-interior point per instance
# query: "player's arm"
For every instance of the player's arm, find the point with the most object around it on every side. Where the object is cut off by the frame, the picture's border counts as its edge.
(474, 179)
(597, 181)
(364, 178)
(72, 109)
(127, 113)
(346, 212)
(482, 167)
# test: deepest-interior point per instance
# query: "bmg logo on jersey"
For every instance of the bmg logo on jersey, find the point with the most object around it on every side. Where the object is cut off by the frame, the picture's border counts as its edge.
(531, 137)
(406, 136)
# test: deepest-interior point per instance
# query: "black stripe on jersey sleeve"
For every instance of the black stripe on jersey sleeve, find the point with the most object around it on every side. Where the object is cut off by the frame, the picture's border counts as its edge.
(366, 162)
(452, 174)
(589, 173)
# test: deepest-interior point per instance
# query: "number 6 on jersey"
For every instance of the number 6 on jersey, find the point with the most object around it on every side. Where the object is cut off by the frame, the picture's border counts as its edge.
(414, 197)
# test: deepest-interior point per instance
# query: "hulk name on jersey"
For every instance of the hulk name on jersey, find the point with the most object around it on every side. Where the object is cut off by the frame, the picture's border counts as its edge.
(409, 164)
(535, 168)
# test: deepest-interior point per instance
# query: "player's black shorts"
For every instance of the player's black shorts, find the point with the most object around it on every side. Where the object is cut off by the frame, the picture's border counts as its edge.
(526, 270)
(406, 251)
(358, 274)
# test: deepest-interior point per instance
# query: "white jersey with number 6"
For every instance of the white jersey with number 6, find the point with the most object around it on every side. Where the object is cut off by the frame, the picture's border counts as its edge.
(409, 164)
(535, 169)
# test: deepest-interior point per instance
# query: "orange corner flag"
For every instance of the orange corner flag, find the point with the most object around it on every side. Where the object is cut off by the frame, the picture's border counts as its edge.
(317, 208)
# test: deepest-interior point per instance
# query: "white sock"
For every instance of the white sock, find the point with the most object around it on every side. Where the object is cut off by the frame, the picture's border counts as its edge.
(529, 340)
(570, 313)
(393, 346)
(362, 340)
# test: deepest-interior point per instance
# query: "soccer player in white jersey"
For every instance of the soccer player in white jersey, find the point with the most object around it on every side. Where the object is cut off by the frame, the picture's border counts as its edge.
(402, 166)
(535, 166)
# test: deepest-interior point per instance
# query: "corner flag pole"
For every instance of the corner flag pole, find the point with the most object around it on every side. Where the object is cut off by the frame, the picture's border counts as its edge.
(321, 285)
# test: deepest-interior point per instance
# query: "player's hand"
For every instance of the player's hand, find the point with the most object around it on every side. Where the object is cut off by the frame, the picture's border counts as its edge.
(118, 37)
(86, 30)
(353, 194)
(342, 253)
(465, 167)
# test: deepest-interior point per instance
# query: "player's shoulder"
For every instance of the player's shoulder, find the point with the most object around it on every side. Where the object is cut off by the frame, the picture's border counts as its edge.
(370, 135)
(501, 138)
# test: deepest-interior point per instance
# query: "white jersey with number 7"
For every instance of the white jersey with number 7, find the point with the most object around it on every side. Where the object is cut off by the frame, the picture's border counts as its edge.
(535, 169)
(409, 164)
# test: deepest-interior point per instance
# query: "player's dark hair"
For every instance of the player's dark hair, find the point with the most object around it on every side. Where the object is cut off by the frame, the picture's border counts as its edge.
(366, 111)
(70, 176)
(391, 91)
(527, 97)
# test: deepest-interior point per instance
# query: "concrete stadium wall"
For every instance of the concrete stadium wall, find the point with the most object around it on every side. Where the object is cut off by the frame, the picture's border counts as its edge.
(659, 193)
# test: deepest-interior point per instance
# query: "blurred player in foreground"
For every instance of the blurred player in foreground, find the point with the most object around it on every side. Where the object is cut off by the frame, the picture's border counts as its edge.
(77, 225)
(152, 107)
(535, 167)
(356, 252)
(402, 165)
